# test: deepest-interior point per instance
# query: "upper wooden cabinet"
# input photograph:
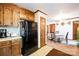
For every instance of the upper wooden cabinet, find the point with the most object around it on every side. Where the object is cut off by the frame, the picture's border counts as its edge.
(23, 14)
(52, 28)
(26, 14)
(16, 16)
(1, 15)
(31, 16)
(10, 14)
(7, 15)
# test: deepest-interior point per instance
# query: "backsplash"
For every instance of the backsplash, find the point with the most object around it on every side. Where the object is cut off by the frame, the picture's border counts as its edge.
(12, 30)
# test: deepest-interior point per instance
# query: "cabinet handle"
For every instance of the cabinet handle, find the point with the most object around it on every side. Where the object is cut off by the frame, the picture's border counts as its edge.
(11, 23)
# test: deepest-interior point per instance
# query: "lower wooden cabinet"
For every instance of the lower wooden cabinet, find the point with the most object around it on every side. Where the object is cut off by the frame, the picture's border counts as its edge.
(5, 48)
(5, 51)
(16, 48)
(10, 48)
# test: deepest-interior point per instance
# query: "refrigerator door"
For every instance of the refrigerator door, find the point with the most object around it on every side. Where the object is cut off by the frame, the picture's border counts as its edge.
(26, 30)
(22, 28)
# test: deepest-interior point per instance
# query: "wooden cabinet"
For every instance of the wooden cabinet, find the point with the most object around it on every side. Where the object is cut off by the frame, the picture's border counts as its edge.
(52, 28)
(23, 14)
(1, 15)
(16, 16)
(10, 47)
(16, 47)
(7, 15)
(5, 51)
(10, 14)
(26, 14)
(31, 16)
(5, 48)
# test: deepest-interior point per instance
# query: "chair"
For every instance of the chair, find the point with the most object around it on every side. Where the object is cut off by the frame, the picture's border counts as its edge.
(66, 38)
(52, 36)
(49, 36)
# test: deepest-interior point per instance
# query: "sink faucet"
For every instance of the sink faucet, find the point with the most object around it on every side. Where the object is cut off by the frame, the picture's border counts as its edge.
(10, 34)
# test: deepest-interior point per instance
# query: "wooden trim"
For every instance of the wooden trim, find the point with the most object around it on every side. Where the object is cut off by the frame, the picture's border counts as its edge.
(40, 11)
(9, 4)
(71, 18)
(26, 9)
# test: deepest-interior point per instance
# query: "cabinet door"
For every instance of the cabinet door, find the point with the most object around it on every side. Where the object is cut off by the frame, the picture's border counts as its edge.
(16, 47)
(23, 13)
(1, 15)
(31, 17)
(16, 17)
(7, 16)
(5, 48)
(16, 50)
(5, 51)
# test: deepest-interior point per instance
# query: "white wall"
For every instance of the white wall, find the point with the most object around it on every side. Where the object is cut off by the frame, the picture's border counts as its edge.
(37, 19)
(63, 29)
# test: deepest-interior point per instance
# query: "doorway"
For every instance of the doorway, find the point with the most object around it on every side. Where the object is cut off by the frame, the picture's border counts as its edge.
(42, 31)
(75, 30)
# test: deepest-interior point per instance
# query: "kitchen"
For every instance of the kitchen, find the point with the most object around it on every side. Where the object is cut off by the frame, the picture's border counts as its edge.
(32, 30)
(18, 30)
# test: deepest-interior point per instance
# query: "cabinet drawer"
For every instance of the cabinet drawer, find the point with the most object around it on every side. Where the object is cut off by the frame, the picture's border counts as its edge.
(15, 41)
(4, 43)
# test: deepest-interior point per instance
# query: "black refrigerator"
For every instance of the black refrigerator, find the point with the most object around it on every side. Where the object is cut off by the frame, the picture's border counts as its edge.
(28, 32)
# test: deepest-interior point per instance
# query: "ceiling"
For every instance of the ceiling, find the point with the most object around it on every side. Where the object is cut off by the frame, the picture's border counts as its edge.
(52, 9)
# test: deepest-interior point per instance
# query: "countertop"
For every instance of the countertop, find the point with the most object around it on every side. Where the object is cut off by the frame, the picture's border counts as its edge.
(10, 38)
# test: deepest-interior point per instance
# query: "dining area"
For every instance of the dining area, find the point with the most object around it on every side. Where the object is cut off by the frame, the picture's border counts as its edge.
(56, 37)
(62, 39)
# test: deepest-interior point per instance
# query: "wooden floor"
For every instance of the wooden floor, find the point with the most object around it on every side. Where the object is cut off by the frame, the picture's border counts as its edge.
(48, 51)
(42, 51)
(56, 49)
(69, 49)
(55, 52)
